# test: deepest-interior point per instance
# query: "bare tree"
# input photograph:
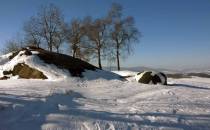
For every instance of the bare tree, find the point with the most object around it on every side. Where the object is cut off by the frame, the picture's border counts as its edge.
(75, 33)
(12, 46)
(46, 27)
(51, 22)
(58, 40)
(96, 32)
(32, 32)
(124, 33)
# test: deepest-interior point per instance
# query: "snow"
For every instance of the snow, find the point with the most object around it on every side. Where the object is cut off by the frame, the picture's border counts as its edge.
(196, 79)
(91, 75)
(125, 73)
(101, 100)
(130, 75)
(52, 72)
(93, 104)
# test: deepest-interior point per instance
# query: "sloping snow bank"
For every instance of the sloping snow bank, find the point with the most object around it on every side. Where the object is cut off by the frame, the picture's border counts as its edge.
(129, 75)
(97, 74)
(51, 71)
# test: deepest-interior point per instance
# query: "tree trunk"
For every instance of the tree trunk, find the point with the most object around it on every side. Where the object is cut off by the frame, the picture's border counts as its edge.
(50, 43)
(57, 49)
(50, 47)
(74, 53)
(99, 59)
(118, 58)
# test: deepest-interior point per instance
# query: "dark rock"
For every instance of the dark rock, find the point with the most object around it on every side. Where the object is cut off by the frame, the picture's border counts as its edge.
(151, 77)
(26, 72)
(4, 78)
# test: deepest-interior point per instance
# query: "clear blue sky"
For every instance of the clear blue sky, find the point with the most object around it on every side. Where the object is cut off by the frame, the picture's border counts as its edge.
(176, 33)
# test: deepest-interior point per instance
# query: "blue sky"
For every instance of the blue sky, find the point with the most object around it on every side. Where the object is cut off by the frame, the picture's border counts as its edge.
(176, 33)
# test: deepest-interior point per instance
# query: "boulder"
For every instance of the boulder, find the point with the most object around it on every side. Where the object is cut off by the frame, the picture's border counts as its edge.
(4, 78)
(26, 72)
(151, 77)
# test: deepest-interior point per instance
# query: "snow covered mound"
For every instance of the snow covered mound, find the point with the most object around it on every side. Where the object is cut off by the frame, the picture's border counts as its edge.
(37, 63)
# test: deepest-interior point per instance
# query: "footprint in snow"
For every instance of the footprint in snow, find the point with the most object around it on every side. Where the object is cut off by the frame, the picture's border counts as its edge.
(97, 126)
(109, 126)
(133, 127)
(85, 126)
(174, 111)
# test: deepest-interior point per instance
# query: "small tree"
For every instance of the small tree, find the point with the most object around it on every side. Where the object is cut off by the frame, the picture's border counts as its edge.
(46, 27)
(12, 46)
(32, 32)
(51, 22)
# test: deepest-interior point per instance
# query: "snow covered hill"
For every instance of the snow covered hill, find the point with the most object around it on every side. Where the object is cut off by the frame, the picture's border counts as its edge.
(36, 63)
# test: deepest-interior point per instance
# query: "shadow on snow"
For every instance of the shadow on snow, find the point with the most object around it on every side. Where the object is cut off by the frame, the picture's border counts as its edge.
(189, 86)
(24, 114)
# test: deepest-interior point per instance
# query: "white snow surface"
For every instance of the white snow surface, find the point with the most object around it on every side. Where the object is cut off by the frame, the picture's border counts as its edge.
(125, 73)
(104, 104)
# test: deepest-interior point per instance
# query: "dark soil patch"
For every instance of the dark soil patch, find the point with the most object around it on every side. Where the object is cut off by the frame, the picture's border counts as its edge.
(4, 78)
(26, 72)
(74, 65)
(27, 53)
(7, 72)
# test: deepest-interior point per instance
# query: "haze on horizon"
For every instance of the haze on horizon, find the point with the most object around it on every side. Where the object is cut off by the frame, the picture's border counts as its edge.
(176, 33)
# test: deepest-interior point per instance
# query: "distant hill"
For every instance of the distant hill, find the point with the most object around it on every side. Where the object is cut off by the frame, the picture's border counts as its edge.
(142, 68)
(187, 73)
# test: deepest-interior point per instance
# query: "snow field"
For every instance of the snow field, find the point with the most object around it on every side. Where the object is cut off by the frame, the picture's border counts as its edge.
(99, 101)
(104, 104)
